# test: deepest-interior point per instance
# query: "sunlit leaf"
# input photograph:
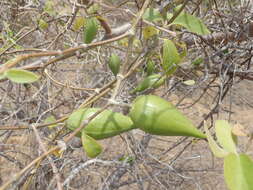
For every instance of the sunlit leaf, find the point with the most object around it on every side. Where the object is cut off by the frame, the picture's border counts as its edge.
(21, 76)
(49, 7)
(90, 146)
(90, 31)
(224, 136)
(238, 172)
(216, 150)
(43, 24)
(171, 57)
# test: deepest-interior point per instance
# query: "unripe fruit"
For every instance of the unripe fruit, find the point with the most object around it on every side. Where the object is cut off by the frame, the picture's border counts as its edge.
(104, 125)
(157, 116)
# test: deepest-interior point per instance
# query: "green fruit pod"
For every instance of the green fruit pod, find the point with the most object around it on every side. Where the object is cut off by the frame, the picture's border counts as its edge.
(90, 146)
(157, 116)
(104, 125)
(114, 64)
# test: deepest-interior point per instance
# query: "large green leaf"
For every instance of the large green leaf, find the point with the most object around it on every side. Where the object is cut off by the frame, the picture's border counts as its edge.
(21, 76)
(91, 28)
(190, 22)
(217, 151)
(90, 146)
(171, 57)
(224, 136)
(238, 172)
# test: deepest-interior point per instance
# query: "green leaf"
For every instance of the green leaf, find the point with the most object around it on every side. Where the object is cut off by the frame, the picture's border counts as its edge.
(90, 146)
(114, 64)
(190, 22)
(238, 172)
(224, 136)
(152, 81)
(91, 28)
(43, 24)
(152, 14)
(198, 61)
(216, 150)
(171, 57)
(21, 76)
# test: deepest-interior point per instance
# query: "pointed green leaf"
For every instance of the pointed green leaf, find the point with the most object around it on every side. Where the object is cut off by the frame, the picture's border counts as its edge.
(114, 64)
(21, 76)
(224, 135)
(90, 146)
(152, 81)
(152, 14)
(91, 28)
(216, 150)
(190, 22)
(171, 57)
(238, 172)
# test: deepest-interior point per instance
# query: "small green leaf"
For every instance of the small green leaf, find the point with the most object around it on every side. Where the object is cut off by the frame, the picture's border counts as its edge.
(224, 136)
(216, 150)
(91, 28)
(91, 146)
(171, 57)
(114, 64)
(190, 22)
(43, 24)
(21, 76)
(152, 81)
(238, 172)
(198, 61)
(152, 14)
